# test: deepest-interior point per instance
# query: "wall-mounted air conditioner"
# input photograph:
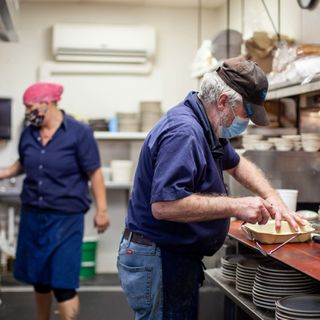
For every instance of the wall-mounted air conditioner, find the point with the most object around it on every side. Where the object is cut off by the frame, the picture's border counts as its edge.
(8, 17)
(104, 43)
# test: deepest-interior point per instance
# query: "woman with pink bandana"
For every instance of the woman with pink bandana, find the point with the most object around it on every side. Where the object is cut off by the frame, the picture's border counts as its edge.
(59, 155)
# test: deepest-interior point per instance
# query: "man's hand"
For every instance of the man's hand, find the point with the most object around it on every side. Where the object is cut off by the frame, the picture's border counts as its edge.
(101, 221)
(253, 210)
(283, 213)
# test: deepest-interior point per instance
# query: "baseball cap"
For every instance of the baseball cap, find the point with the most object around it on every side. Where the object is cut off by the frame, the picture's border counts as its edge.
(249, 80)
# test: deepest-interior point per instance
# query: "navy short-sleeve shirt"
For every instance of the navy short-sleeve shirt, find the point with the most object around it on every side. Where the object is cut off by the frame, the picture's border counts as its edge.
(175, 162)
(57, 173)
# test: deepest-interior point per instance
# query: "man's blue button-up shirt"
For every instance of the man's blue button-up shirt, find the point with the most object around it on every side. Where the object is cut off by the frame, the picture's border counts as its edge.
(175, 162)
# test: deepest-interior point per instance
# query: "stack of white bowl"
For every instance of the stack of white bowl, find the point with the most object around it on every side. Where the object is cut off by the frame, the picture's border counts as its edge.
(282, 144)
(263, 145)
(150, 112)
(310, 142)
(296, 141)
(250, 141)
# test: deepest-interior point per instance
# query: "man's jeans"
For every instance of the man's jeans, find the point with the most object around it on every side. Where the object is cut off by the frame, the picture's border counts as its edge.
(159, 284)
(140, 274)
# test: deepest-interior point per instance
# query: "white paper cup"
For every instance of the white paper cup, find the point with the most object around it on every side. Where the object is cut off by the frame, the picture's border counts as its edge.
(289, 197)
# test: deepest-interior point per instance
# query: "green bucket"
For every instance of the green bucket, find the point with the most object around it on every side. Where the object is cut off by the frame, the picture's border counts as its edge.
(88, 258)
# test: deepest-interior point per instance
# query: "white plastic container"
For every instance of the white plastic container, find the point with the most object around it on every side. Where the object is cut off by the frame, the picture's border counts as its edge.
(289, 196)
(121, 170)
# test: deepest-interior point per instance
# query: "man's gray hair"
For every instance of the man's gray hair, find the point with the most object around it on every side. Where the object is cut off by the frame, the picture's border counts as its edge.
(212, 86)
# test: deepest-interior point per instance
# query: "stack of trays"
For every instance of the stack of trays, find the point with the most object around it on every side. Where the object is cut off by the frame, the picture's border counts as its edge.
(128, 121)
(98, 124)
(229, 266)
(298, 307)
(274, 281)
(245, 274)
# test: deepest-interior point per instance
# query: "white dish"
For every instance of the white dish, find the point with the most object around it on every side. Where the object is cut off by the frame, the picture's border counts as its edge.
(305, 304)
(309, 215)
(310, 148)
(283, 147)
(293, 137)
(263, 146)
(267, 233)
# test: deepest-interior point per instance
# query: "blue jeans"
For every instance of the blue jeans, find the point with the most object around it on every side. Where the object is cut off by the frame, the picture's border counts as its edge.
(140, 274)
(159, 284)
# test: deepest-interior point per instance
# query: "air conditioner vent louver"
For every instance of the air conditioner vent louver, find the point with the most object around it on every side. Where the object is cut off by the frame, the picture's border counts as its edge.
(8, 17)
(103, 43)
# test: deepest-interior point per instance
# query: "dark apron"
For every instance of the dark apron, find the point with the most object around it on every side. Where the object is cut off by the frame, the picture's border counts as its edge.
(182, 275)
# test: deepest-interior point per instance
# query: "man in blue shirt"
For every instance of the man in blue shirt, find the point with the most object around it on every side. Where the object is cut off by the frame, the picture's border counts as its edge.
(59, 155)
(179, 209)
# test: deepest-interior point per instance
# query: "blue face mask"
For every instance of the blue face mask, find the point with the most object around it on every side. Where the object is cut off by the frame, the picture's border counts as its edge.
(237, 126)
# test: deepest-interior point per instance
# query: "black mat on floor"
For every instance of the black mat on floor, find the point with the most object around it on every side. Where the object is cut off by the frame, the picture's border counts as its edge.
(106, 279)
(97, 305)
(94, 306)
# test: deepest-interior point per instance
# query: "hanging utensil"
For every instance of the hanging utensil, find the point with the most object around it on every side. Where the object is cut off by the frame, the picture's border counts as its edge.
(265, 253)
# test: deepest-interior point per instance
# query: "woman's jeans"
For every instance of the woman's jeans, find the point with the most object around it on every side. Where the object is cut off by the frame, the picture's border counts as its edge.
(159, 284)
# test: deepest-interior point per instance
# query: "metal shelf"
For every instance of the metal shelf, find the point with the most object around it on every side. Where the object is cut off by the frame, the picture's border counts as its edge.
(243, 301)
(293, 90)
(131, 136)
(271, 131)
(117, 185)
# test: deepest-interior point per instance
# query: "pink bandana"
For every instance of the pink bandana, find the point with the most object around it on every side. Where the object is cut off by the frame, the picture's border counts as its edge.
(42, 92)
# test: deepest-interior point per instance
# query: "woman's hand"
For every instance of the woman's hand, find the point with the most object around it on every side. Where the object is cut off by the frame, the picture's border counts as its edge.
(101, 221)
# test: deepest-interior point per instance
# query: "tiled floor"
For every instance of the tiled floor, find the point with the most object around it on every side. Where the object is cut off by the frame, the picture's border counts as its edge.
(101, 298)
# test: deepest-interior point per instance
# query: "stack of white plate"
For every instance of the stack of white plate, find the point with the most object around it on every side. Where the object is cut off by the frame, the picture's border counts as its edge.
(299, 307)
(245, 274)
(274, 281)
(229, 266)
(310, 142)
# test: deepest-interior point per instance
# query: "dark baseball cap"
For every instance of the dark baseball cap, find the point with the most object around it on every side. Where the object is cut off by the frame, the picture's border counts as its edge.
(249, 80)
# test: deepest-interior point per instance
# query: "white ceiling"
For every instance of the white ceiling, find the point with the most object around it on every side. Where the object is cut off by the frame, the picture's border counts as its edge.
(164, 3)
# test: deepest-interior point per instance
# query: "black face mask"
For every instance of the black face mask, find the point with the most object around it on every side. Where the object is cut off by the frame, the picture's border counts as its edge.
(34, 118)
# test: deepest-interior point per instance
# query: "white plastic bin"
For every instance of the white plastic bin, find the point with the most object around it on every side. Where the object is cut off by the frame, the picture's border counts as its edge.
(121, 170)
